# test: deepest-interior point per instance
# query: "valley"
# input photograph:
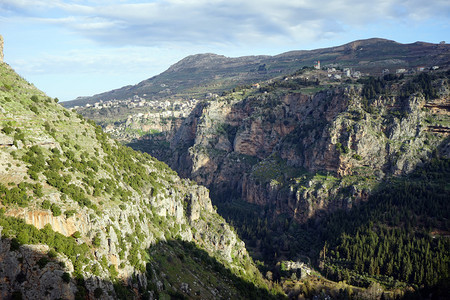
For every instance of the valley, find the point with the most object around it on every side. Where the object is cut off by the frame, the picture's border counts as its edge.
(284, 157)
(254, 178)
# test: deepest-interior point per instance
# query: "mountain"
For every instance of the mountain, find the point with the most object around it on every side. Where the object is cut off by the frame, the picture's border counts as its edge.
(342, 168)
(83, 217)
(310, 163)
(197, 75)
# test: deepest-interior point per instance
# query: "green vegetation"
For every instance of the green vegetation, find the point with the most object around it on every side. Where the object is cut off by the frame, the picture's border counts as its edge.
(22, 233)
(64, 166)
(274, 169)
(184, 262)
(396, 238)
(391, 237)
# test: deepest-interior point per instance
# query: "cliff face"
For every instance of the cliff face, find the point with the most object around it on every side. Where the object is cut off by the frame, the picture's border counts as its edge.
(270, 147)
(82, 215)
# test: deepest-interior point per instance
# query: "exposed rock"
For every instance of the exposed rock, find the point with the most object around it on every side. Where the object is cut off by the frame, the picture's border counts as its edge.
(331, 131)
(113, 205)
(21, 273)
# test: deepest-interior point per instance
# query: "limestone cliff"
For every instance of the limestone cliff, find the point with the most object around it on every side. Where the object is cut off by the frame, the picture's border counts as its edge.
(257, 144)
(83, 216)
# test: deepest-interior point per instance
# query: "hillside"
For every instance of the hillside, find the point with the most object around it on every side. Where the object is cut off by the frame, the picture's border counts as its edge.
(307, 164)
(312, 166)
(84, 217)
(198, 75)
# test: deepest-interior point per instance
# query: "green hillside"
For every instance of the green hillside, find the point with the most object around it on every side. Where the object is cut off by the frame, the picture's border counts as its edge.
(92, 218)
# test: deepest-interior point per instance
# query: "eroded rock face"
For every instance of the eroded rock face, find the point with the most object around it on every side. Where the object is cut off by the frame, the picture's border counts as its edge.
(20, 273)
(187, 208)
(330, 132)
(90, 225)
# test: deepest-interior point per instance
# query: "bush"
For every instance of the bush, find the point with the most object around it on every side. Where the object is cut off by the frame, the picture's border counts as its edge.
(34, 109)
(46, 204)
(56, 210)
(69, 213)
(98, 292)
(7, 129)
(51, 253)
(33, 174)
(357, 156)
(66, 277)
(43, 262)
(96, 241)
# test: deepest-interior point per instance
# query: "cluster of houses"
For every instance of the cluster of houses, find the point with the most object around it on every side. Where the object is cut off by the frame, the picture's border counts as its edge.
(136, 101)
(336, 74)
(333, 73)
(410, 71)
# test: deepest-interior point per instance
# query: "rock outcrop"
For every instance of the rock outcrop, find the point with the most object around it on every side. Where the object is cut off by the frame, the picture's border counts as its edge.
(74, 201)
(253, 145)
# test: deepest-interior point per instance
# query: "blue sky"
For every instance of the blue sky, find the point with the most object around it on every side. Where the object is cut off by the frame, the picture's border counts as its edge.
(71, 48)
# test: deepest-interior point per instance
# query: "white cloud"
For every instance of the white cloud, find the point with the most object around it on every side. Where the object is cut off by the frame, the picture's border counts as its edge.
(142, 38)
(200, 21)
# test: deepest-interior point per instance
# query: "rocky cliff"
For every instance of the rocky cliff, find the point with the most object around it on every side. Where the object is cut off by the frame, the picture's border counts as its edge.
(84, 217)
(305, 147)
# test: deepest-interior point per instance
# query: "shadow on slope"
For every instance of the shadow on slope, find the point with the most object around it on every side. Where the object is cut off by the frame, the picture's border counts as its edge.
(175, 270)
(399, 237)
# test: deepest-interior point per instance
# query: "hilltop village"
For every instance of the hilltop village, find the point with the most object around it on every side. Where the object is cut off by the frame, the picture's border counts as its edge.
(139, 115)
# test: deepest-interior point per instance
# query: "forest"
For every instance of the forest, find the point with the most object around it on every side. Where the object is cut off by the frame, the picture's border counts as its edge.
(398, 237)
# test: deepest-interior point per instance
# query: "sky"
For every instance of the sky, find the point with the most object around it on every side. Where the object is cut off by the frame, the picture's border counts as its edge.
(71, 48)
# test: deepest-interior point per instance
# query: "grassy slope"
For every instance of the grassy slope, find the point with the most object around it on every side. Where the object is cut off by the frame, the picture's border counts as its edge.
(55, 163)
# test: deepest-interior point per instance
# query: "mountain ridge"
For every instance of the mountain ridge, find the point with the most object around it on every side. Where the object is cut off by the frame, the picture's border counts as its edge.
(221, 73)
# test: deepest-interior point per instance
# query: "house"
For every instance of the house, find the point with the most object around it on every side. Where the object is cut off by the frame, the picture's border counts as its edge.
(317, 65)
(356, 74)
(347, 72)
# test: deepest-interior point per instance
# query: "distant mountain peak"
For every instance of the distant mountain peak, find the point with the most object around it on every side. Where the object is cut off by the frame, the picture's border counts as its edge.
(197, 75)
(197, 60)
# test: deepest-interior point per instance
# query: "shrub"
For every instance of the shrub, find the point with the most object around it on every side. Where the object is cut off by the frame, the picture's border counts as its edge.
(34, 109)
(56, 210)
(7, 129)
(98, 292)
(357, 156)
(51, 253)
(66, 277)
(33, 174)
(96, 241)
(46, 204)
(43, 262)
(69, 213)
